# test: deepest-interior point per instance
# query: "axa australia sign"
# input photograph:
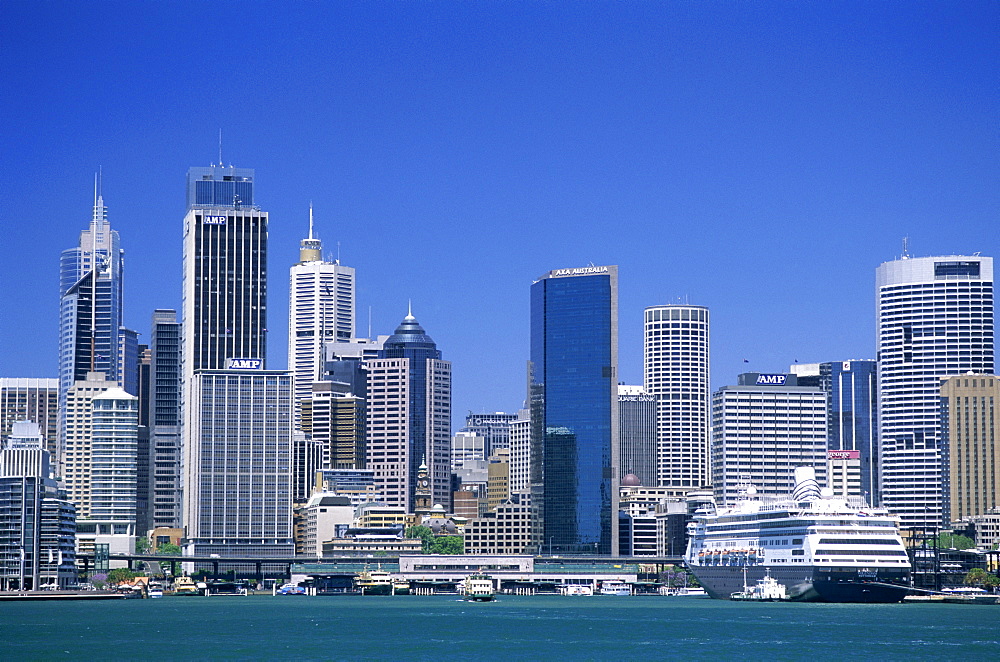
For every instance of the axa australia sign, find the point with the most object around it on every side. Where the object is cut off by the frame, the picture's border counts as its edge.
(771, 380)
(582, 271)
(245, 364)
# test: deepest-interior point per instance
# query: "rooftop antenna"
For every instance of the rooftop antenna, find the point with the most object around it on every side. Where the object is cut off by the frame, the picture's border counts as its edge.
(310, 219)
(906, 248)
(369, 322)
(338, 252)
(220, 147)
(95, 189)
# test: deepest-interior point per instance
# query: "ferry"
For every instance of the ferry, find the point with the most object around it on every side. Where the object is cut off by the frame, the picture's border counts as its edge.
(820, 547)
(374, 582)
(478, 588)
(615, 587)
(576, 589)
(186, 586)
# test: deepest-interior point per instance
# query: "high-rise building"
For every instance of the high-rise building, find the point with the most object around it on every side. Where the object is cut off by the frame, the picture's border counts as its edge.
(762, 428)
(30, 399)
(852, 415)
(164, 419)
(37, 523)
(520, 453)
(409, 416)
(320, 310)
(573, 391)
(971, 445)
(676, 373)
(636, 434)
(236, 415)
(78, 432)
(494, 427)
(935, 320)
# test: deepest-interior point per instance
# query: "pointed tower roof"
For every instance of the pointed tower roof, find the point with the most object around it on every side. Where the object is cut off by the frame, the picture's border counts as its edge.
(409, 334)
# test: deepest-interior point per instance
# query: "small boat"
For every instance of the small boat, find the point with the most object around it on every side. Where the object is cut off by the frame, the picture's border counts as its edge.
(291, 589)
(478, 588)
(154, 590)
(226, 588)
(615, 587)
(767, 589)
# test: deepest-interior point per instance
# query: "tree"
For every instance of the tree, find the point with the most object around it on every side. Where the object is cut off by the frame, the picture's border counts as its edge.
(424, 535)
(975, 577)
(449, 545)
(992, 582)
(121, 576)
(169, 549)
(954, 541)
(142, 545)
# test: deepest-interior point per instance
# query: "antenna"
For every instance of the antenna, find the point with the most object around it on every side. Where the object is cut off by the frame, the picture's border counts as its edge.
(220, 147)
(369, 322)
(310, 219)
(100, 180)
(906, 248)
(95, 189)
(338, 252)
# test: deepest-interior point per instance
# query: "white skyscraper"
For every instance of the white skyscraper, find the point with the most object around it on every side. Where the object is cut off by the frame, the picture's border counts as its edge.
(676, 372)
(935, 320)
(320, 310)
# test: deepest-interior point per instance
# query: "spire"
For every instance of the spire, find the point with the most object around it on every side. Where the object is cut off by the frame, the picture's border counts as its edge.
(310, 249)
(409, 311)
(310, 219)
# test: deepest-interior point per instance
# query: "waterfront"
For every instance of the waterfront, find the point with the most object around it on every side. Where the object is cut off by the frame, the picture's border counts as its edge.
(514, 628)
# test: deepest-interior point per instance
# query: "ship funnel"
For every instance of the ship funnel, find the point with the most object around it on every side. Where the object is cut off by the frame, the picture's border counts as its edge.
(806, 487)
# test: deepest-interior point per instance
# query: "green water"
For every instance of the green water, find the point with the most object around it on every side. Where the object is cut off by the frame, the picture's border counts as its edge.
(512, 628)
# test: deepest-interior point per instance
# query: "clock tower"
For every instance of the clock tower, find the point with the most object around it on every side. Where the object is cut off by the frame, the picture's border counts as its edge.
(422, 492)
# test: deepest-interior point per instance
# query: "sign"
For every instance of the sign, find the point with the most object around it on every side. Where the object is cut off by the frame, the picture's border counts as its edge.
(771, 380)
(213, 220)
(244, 364)
(582, 271)
(843, 455)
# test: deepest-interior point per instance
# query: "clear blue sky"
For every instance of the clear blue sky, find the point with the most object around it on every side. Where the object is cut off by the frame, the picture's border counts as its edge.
(760, 158)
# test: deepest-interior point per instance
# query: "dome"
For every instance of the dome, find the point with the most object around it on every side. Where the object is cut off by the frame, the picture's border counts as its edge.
(438, 508)
(631, 480)
(409, 333)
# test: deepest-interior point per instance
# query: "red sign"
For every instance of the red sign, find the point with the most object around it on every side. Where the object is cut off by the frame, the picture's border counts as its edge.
(843, 455)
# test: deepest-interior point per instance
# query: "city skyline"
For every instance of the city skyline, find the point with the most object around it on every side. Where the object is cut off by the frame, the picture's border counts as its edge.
(760, 162)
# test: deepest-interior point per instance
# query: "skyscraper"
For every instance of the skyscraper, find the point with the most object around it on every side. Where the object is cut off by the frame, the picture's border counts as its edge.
(164, 419)
(30, 399)
(637, 434)
(762, 428)
(935, 320)
(495, 427)
(574, 410)
(409, 417)
(676, 373)
(320, 310)
(237, 425)
(971, 445)
(852, 413)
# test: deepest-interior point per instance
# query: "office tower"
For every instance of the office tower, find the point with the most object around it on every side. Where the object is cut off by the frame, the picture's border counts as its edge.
(320, 310)
(164, 418)
(78, 432)
(37, 523)
(409, 416)
(498, 478)
(238, 493)
(637, 434)
(236, 416)
(520, 453)
(574, 410)
(31, 399)
(335, 418)
(935, 320)
(970, 445)
(113, 446)
(467, 446)
(852, 414)
(129, 360)
(762, 428)
(494, 427)
(676, 373)
(224, 302)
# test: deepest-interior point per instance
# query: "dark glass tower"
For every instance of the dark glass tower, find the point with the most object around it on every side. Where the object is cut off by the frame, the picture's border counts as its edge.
(574, 410)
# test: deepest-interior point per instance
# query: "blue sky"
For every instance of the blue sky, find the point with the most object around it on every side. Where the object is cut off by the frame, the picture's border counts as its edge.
(759, 158)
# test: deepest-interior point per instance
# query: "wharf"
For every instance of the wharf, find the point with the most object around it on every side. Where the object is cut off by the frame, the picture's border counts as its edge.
(17, 596)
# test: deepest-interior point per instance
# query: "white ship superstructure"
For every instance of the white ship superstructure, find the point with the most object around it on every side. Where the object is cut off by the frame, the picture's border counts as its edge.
(821, 547)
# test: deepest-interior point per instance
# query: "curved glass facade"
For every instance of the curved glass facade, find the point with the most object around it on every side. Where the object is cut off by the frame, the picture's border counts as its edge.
(574, 401)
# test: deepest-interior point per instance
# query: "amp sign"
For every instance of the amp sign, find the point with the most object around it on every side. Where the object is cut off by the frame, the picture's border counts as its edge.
(213, 220)
(771, 380)
(244, 364)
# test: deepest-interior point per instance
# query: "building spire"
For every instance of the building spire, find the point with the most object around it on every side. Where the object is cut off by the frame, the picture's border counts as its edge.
(311, 248)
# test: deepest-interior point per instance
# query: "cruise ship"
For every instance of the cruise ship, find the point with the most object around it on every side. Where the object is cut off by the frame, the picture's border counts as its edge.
(822, 548)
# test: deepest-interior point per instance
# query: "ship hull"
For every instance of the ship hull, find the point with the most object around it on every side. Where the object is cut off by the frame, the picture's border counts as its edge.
(807, 583)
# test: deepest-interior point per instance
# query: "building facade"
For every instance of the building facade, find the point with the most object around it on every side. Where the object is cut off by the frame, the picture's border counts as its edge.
(970, 418)
(574, 410)
(494, 427)
(320, 310)
(762, 429)
(637, 447)
(409, 417)
(32, 399)
(935, 320)
(676, 373)
(164, 417)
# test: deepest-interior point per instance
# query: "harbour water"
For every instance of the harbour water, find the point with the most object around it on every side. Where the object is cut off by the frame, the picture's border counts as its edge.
(512, 628)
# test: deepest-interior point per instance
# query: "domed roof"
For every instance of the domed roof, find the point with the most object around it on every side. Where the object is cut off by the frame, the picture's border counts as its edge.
(631, 480)
(409, 333)
(438, 508)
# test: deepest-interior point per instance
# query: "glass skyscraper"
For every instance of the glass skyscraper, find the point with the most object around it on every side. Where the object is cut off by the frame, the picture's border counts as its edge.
(574, 410)
(935, 320)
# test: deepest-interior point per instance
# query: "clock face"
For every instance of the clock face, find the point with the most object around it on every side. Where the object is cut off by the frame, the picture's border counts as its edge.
(423, 483)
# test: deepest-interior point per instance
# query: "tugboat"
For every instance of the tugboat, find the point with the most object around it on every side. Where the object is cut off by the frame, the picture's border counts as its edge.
(478, 588)
(767, 589)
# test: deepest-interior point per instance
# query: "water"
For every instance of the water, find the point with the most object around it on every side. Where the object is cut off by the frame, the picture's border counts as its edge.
(512, 628)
